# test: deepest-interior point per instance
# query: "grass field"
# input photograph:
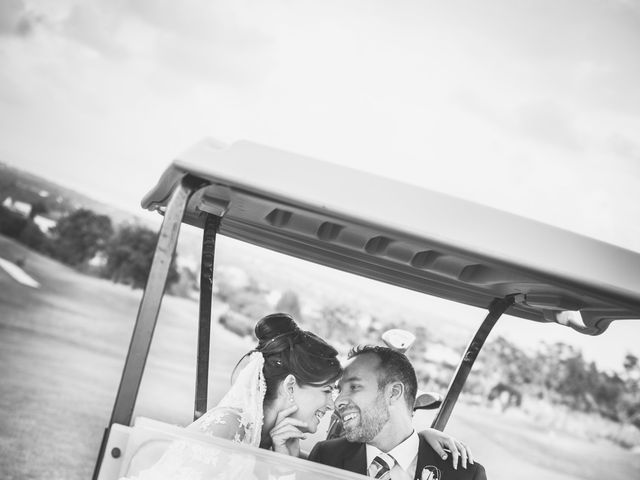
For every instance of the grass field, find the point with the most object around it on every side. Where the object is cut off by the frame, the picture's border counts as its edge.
(62, 348)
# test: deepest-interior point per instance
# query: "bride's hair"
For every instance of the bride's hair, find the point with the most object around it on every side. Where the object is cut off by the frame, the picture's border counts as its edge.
(289, 350)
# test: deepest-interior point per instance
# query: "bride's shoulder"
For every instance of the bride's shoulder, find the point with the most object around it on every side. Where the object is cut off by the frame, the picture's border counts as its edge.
(218, 416)
(225, 422)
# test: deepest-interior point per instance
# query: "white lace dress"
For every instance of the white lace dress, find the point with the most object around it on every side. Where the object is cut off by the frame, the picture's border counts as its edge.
(238, 417)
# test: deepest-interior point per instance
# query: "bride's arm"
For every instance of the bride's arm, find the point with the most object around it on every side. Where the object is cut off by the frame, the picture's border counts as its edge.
(225, 423)
(440, 441)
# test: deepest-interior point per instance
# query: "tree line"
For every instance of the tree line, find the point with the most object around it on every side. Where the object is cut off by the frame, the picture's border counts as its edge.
(556, 373)
(124, 252)
(559, 374)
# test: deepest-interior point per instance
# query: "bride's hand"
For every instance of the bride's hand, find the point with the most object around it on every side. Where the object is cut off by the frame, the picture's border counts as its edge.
(440, 441)
(286, 434)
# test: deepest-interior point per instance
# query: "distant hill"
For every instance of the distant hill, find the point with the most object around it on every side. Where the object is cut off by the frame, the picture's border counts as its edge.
(60, 200)
(29, 187)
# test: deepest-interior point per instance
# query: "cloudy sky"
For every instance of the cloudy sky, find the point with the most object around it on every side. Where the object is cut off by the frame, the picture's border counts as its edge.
(530, 106)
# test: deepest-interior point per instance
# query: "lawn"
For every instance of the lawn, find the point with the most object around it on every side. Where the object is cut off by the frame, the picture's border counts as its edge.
(62, 348)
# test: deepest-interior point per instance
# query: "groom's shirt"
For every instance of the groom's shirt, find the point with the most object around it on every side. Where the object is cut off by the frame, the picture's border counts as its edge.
(405, 455)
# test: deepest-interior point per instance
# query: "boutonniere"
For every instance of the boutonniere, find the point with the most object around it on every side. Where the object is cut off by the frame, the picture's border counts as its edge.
(431, 473)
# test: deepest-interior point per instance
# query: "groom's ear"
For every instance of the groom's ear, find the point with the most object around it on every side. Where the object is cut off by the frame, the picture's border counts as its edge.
(395, 392)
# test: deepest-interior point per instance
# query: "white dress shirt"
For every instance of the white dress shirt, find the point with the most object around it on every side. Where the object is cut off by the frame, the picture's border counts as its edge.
(405, 455)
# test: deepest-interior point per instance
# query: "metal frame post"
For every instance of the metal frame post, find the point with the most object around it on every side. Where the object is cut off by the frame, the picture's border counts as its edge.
(496, 309)
(148, 310)
(211, 225)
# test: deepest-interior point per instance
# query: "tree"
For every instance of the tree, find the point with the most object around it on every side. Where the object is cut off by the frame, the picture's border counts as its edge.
(32, 237)
(11, 224)
(80, 235)
(130, 254)
(188, 284)
(38, 208)
(630, 400)
(289, 303)
(340, 324)
(631, 365)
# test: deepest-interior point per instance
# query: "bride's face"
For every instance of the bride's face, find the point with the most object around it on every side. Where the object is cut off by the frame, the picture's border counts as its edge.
(313, 403)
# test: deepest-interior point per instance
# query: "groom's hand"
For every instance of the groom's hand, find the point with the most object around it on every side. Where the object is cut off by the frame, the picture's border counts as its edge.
(286, 433)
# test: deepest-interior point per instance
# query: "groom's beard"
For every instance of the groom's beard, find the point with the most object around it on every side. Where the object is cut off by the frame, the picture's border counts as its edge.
(371, 422)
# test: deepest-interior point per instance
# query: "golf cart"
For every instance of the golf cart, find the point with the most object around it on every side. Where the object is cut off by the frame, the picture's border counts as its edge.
(370, 226)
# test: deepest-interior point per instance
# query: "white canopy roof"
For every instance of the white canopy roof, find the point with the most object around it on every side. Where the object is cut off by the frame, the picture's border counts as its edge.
(406, 235)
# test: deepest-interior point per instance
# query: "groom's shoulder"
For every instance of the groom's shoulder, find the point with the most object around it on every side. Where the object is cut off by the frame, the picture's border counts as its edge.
(430, 460)
(334, 448)
(336, 444)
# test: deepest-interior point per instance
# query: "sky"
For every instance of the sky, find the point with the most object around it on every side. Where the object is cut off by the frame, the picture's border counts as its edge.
(528, 106)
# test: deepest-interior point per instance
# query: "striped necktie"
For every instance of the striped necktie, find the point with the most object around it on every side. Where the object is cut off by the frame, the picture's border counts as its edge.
(380, 467)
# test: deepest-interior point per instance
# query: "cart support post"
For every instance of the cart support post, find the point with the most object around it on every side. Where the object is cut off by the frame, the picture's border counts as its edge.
(496, 309)
(212, 222)
(148, 310)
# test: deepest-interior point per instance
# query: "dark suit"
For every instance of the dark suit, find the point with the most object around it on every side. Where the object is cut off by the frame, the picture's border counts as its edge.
(352, 456)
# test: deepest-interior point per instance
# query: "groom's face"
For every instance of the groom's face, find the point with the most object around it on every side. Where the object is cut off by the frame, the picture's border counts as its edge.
(361, 403)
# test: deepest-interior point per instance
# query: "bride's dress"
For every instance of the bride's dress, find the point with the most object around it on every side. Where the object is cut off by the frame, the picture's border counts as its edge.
(238, 417)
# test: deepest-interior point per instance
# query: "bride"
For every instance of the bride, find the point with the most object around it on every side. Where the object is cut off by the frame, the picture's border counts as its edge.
(281, 394)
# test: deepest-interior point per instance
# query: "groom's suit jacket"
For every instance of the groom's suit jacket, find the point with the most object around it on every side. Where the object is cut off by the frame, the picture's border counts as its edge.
(352, 456)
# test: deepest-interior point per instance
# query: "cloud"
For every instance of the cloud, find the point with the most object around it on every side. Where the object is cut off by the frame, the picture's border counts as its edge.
(628, 150)
(215, 41)
(207, 42)
(548, 122)
(583, 50)
(97, 26)
(15, 19)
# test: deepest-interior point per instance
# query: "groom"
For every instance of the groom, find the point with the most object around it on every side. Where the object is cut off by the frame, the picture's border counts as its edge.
(377, 393)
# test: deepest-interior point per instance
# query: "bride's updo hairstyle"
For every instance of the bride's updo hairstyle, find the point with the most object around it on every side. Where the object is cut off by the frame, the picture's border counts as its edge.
(289, 350)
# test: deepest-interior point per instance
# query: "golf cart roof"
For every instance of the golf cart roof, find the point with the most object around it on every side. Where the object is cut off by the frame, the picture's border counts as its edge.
(405, 235)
